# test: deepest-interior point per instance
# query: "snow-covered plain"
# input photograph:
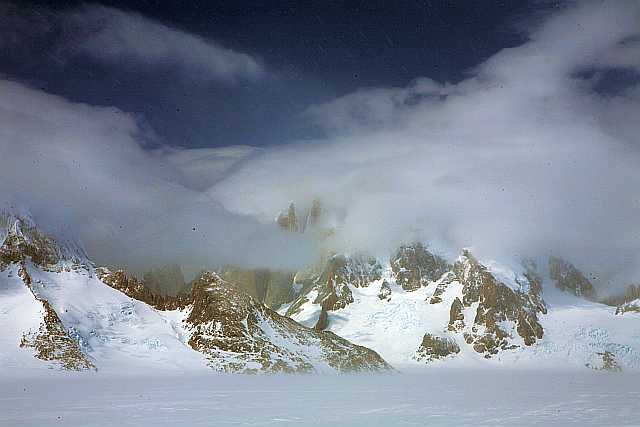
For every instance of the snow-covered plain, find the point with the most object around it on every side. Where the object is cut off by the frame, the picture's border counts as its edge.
(495, 398)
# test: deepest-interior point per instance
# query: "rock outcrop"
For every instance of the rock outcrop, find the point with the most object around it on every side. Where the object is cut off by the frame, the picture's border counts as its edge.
(495, 303)
(271, 287)
(331, 283)
(569, 279)
(414, 266)
(165, 280)
(629, 307)
(136, 289)
(604, 361)
(51, 341)
(24, 243)
(239, 334)
(434, 348)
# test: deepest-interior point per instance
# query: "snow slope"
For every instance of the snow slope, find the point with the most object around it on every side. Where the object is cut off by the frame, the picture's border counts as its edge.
(113, 329)
(59, 311)
(575, 330)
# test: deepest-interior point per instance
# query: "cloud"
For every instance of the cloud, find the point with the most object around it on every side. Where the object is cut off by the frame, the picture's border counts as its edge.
(525, 157)
(84, 172)
(522, 158)
(124, 38)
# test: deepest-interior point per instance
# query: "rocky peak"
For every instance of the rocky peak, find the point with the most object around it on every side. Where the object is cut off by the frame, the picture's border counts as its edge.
(569, 279)
(289, 221)
(237, 333)
(414, 266)
(270, 287)
(137, 289)
(22, 240)
(629, 307)
(165, 280)
(496, 303)
(293, 222)
(332, 282)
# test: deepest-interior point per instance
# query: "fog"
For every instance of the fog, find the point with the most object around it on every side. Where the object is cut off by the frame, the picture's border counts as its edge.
(531, 155)
(84, 173)
(534, 153)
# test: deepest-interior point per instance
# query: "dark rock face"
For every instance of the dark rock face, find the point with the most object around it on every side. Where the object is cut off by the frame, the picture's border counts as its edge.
(333, 279)
(436, 298)
(238, 334)
(25, 241)
(630, 307)
(496, 303)
(166, 280)
(51, 341)
(273, 288)
(630, 294)
(385, 291)
(433, 348)
(569, 279)
(456, 316)
(136, 289)
(414, 266)
(289, 221)
(604, 361)
(292, 222)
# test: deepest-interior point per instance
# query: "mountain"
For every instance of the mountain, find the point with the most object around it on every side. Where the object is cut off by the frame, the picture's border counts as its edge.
(346, 313)
(417, 311)
(58, 310)
(271, 287)
(165, 280)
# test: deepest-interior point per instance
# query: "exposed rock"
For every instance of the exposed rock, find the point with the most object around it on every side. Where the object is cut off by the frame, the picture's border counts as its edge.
(456, 316)
(239, 334)
(533, 285)
(436, 298)
(323, 321)
(414, 266)
(604, 361)
(51, 341)
(272, 288)
(289, 221)
(496, 303)
(385, 291)
(332, 281)
(165, 280)
(631, 293)
(134, 288)
(23, 240)
(569, 279)
(433, 348)
(630, 307)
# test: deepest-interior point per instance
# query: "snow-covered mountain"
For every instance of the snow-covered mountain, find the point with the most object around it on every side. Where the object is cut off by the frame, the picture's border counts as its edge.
(57, 310)
(348, 313)
(418, 311)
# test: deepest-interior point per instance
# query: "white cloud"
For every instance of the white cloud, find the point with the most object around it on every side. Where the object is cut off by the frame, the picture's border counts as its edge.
(82, 171)
(522, 158)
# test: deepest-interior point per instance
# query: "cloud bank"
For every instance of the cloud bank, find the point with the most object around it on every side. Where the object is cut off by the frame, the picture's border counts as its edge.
(522, 158)
(531, 155)
(84, 172)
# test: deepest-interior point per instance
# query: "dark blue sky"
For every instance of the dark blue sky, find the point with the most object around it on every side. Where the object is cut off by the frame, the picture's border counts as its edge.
(314, 51)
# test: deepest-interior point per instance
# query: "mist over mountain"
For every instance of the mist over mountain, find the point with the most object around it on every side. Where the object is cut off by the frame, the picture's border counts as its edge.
(532, 154)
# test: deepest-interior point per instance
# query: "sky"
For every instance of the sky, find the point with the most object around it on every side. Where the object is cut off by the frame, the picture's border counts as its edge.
(162, 132)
